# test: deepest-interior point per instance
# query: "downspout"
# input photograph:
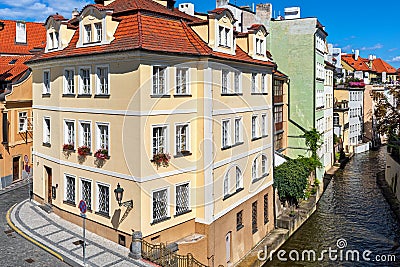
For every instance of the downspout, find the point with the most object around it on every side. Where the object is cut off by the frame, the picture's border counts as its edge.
(314, 81)
(273, 150)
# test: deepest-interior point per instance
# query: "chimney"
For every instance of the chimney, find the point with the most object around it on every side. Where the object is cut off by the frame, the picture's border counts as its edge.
(167, 3)
(356, 54)
(264, 13)
(187, 8)
(75, 13)
(222, 3)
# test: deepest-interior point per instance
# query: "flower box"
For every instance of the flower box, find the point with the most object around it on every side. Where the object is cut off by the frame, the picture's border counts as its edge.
(68, 147)
(101, 154)
(161, 159)
(83, 151)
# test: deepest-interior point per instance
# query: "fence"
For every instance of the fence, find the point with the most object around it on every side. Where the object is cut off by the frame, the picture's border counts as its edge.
(161, 255)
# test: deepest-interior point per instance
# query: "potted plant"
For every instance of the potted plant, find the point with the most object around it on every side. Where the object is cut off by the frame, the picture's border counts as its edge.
(83, 151)
(101, 154)
(68, 147)
(161, 159)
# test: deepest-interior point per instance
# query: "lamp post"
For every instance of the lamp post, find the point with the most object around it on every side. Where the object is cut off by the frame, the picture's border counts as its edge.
(119, 194)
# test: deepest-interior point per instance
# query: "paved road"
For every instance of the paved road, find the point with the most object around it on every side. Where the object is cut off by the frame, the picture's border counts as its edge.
(15, 251)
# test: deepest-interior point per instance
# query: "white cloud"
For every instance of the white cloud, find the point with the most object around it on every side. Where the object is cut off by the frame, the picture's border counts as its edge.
(377, 46)
(38, 10)
(392, 49)
(346, 48)
(395, 59)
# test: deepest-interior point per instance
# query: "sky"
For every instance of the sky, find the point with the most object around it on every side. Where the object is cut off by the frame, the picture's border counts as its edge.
(371, 26)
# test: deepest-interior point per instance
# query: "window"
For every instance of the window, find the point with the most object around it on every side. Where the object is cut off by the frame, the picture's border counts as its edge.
(103, 136)
(22, 121)
(53, 40)
(88, 33)
(99, 31)
(159, 80)
(264, 83)
(238, 88)
(225, 75)
(224, 36)
(20, 36)
(46, 82)
(102, 81)
(84, 79)
(278, 87)
(69, 86)
(254, 171)
(238, 130)
(46, 130)
(226, 133)
(86, 186)
(264, 125)
(85, 134)
(264, 170)
(182, 139)
(239, 178)
(182, 198)
(159, 140)
(254, 126)
(260, 47)
(226, 185)
(254, 228)
(103, 199)
(278, 114)
(69, 132)
(160, 205)
(70, 189)
(266, 220)
(181, 81)
(253, 82)
(239, 220)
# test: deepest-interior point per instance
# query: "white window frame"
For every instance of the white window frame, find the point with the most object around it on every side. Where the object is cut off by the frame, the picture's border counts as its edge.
(98, 197)
(225, 81)
(254, 170)
(46, 131)
(224, 35)
(20, 32)
(81, 132)
(98, 138)
(240, 186)
(81, 179)
(226, 184)
(88, 31)
(264, 168)
(255, 126)
(98, 31)
(66, 84)
(228, 142)
(264, 124)
(264, 83)
(65, 187)
(177, 151)
(24, 124)
(238, 132)
(81, 81)
(66, 137)
(46, 87)
(260, 46)
(237, 81)
(168, 204)
(189, 197)
(178, 78)
(155, 77)
(166, 131)
(254, 82)
(98, 82)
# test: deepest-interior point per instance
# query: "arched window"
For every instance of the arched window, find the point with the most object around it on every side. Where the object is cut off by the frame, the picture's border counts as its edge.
(226, 184)
(254, 170)
(264, 169)
(239, 178)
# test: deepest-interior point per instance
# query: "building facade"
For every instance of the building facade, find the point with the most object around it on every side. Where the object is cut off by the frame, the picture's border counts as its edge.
(17, 42)
(175, 109)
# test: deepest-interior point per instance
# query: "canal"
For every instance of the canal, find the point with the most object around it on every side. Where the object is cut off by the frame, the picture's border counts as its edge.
(353, 210)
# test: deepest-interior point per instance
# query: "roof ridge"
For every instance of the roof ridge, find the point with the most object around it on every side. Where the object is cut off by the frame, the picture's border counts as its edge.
(140, 32)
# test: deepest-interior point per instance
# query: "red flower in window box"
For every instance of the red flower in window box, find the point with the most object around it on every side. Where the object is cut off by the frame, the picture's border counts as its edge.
(83, 151)
(68, 147)
(101, 154)
(161, 159)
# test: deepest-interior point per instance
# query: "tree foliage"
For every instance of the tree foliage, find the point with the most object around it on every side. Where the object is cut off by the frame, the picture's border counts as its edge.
(313, 141)
(387, 112)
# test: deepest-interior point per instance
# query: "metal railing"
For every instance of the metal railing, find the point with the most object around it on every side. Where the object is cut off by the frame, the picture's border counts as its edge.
(163, 256)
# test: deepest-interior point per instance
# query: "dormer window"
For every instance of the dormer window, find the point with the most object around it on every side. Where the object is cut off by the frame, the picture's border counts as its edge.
(53, 40)
(88, 33)
(260, 47)
(20, 34)
(224, 36)
(99, 32)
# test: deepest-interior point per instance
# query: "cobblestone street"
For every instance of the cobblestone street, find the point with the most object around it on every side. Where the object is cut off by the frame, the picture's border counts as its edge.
(15, 251)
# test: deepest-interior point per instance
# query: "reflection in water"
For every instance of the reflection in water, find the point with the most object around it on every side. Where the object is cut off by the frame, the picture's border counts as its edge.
(352, 208)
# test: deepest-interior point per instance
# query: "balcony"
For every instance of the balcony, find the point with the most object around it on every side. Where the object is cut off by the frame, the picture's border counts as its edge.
(278, 99)
(341, 106)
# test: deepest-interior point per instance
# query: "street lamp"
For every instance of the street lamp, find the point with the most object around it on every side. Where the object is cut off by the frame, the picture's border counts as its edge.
(119, 193)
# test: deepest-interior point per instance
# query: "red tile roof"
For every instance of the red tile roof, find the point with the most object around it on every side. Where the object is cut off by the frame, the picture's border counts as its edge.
(359, 64)
(35, 38)
(382, 66)
(279, 74)
(151, 32)
(12, 67)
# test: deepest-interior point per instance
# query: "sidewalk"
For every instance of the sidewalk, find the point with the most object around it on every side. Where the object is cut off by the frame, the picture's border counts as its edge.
(59, 237)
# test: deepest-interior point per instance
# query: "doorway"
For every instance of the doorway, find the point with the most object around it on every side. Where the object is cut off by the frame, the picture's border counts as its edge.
(16, 161)
(49, 184)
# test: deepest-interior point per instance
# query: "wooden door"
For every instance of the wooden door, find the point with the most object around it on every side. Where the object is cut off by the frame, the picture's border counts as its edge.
(49, 184)
(16, 168)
